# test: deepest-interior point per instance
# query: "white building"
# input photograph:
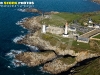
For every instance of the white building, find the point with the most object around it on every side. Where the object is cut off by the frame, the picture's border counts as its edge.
(90, 21)
(43, 28)
(96, 26)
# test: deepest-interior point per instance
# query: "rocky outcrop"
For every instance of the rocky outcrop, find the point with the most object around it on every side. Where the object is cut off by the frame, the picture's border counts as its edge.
(31, 24)
(34, 59)
(60, 65)
(85, 55)
(32, 10)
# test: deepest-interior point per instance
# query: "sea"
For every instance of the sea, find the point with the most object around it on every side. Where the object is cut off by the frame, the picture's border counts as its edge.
(10, 32)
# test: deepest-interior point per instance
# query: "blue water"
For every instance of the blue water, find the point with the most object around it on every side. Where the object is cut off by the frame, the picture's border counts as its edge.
(9, 30)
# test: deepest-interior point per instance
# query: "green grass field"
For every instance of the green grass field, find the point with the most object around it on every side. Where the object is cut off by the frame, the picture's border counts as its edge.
(97, 36)
(67, 60)
(61, 18)
(56, 40)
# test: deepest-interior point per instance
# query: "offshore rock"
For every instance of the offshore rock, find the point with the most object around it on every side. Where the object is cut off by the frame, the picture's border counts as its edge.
(32, 10)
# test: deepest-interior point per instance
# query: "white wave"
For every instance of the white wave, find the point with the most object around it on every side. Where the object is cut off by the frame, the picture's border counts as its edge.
(24, 19)
(22, 31)
(33, 48)
(8, 66)
(22, 10)
(41, 69)
(17, 63)
(19, 23)
(12, 53)
(18, 38)
(14, 62)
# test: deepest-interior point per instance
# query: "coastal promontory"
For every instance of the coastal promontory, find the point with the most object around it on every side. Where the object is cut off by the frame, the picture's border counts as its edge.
(62, 40)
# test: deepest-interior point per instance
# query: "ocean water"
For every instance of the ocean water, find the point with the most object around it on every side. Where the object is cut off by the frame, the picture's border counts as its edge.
(9, 30)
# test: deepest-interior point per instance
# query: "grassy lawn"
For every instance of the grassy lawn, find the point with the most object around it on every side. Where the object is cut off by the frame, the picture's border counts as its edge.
(81, 45)
(97, 36)
(69, 16)
(91, 46)
(46, 53)
(56, 40)
(96, 18)
(67, 60)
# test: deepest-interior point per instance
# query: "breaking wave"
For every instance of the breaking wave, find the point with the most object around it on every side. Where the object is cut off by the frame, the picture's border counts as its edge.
(33, 48)
(14, 63)
(22, 10)
(41, 69)
(18, 38)
(21, 21)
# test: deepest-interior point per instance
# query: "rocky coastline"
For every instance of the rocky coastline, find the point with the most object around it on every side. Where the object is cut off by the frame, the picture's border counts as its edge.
(57, 65)
(34, 59)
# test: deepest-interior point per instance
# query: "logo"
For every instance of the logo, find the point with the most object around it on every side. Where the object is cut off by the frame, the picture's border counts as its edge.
(16, 4)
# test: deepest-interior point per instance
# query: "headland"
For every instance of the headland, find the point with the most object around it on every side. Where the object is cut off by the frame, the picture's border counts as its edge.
(65, 39)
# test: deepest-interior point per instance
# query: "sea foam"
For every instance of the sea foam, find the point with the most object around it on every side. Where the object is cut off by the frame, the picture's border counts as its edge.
(14, 62)
(12, 53)
(22, 10)
(18, 38)
(33, 48)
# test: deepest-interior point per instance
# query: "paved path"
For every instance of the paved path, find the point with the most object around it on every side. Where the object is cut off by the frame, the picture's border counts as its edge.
(91, 33)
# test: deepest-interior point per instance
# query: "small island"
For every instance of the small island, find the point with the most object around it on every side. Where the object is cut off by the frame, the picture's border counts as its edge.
(64, 40)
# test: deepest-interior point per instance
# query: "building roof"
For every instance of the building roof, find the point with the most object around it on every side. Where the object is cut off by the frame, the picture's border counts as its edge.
(83, 39)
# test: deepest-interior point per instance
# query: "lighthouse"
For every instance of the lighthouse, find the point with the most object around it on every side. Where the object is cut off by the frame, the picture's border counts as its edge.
(43, 29)
(66, 30)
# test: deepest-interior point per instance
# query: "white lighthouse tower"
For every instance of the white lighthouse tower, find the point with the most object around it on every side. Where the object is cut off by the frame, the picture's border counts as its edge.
(43, 28)
(66, 30)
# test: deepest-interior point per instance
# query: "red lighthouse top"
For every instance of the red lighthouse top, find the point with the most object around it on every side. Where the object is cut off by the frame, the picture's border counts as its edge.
(66, 24)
